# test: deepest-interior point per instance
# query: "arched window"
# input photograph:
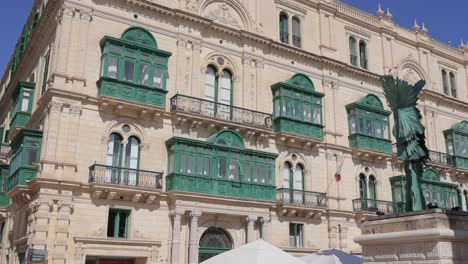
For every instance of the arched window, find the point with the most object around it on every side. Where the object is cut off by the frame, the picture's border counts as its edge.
(219, 91)
(296, 31)
(214, 241)
(114, 150)
(445, 82)
(283, 26)
(298, 184)
(372, 188)
(453, 84)
(132, 160)
(363, 54)
(362, 186)
(352, 51)
(287, 170)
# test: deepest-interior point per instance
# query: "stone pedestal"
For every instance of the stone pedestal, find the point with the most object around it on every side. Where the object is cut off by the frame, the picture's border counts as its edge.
(429, 237)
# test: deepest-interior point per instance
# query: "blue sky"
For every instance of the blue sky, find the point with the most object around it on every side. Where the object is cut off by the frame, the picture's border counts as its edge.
(446, 20)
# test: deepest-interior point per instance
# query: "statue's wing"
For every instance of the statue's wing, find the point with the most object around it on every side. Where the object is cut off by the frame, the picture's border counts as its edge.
(411, 134)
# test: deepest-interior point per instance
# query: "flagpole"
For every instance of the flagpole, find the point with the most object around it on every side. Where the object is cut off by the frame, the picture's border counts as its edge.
(333, 178)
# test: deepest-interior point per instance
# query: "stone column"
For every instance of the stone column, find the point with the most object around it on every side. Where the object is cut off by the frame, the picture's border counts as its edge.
(64, 210)
(193, 246)
(175, 253)
(250, 221)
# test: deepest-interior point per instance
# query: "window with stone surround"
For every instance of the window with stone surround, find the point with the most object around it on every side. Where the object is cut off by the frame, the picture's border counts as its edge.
(218, 89)
(296, 235)
(284, 27)
(353, 59)
(133, 66)
(118, 223)
(369, 125)
(296, 32)
(123, 159)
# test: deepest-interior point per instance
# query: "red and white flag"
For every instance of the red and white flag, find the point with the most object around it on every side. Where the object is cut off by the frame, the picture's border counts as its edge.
(338, 171)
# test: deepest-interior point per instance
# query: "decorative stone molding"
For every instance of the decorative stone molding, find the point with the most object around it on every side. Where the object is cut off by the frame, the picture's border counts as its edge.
(223, 15)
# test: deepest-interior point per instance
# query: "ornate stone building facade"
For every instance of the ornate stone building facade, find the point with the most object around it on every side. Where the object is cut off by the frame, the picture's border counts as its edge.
(162, 131)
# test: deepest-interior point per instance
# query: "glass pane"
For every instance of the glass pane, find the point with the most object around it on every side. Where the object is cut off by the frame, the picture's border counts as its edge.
(113, 150)
(111, 223)
(129, 69)
(144, 74)
(352, 125)
(247, 173)
(207, 167)
(317, 116)
(31, 157)
(191, 164)
(222, 168)
(286, 175)
(210, 82)
(297, 110)
(25, 102)
(369, 127)
(234, 170)
(158, 78)
(183, 162)
(112, 68)
(307, 113)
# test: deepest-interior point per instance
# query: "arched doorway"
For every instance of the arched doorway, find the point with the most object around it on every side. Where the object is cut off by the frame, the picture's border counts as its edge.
(214, 241)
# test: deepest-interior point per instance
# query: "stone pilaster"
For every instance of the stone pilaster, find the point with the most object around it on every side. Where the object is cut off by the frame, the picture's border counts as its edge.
(175, 252)
(265, 227)
(250, 221)
(193, 246)
(64, 211)
(39, 224)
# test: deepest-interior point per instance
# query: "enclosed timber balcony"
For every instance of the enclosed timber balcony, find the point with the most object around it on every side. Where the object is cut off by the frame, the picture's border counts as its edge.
(370, 148)
(4, 199)
(219, 186)
(110, 182)
(117, 95)
(199, 111)
(292, 202)
(19, 120)
(362, 205)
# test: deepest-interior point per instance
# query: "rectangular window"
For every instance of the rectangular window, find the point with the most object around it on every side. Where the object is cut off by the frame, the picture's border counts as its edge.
(46, 72)
(183, 163)
(158, 78)
(307, 113)
(191, 164)
(144, 74)
(222, 168)
(113, 68)
(207, 167)
(129, 70)
(296, 235)
(117, 225)
(31, 157)
(25, 101)
(247, 172)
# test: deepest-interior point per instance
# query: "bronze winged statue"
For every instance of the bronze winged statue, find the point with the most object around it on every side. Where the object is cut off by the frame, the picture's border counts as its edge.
(409, 133)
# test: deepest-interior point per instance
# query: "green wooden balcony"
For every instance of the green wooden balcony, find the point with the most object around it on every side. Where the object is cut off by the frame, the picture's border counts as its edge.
(286, 196)
(460, 162)
(21, 176)
(440, 158)
(124, 176)
(376, 206)
(370, 143)
(19, 120)
(130, 92)
(220, 186)
(300, 128)
(4, 199)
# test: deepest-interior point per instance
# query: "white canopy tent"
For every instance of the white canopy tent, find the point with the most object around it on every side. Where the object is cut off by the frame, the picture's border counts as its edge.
(257, 252)
(331, 256)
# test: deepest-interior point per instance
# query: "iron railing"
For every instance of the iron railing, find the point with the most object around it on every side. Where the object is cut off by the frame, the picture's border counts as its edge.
(297, 42)
(188, 104)
(377, 206)
(4, 149)
(353, 59)
(300, 197)
(441, 158)
(125, 176)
